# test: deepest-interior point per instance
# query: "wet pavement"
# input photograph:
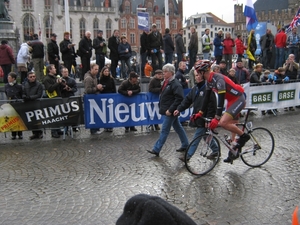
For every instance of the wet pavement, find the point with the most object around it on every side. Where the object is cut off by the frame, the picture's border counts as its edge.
(88, 179)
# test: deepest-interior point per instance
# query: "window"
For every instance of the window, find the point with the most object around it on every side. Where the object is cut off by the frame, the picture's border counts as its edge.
(108, 28)
(203, 26)
(149, 8)
(174, 24)
(123, 23)
(81, 28)
(95, 27)
(27, 4)
(47, 4)
(203, 19)
(127, 7)
(158, 24)
(85, 3)
(132, 38)
(132, 23)
(28, 27)
(48, 26)
(71, 28)
(171, 11)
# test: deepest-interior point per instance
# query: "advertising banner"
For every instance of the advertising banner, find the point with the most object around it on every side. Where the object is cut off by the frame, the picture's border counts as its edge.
(143, 21)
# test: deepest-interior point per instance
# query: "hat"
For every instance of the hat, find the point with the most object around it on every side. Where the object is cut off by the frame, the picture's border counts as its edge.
(267, 72)
(158, 71)
(53, 35)
(222, 61)
(133, 74)
(35, 36)
(239, 60)
(153, 24)
(100, 31)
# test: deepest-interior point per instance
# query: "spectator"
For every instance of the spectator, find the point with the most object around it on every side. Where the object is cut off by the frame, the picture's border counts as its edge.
(239, 47)
(206, 44)
(192, 78)
(68, 84)
(180, 75)
(91, 86)
(68, 52)
(223, 68)
(13, 90)
(85, 49)
(293, 42)
(267, 77)
(6, 59)
(144, 50)
(180, 48)
(241, 73)
(193, 47)
(156, 47)
(251, 48)
(255, 75)
(113, 43)
(218, 43)
(291, 67)
(279, 76)
(155, 87)
(168, 46)
(37, 56)
(108, 83)
(22, 60)
(53, 52)
(170, 98)
(280, 44)
(100, 49)
(231, 75)
(53, 90)
(124, 50)
(32, 91)
(129, 88)
(148, 69)
(228, 50)
(266, 43)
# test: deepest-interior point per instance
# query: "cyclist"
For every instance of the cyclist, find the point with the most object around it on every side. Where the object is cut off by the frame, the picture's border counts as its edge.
(233, 93)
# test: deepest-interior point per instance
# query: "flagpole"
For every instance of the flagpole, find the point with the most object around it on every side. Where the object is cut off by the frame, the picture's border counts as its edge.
(67, 16)
(167, 22)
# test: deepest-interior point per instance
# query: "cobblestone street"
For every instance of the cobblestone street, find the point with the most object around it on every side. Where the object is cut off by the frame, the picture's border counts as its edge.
(88, 179)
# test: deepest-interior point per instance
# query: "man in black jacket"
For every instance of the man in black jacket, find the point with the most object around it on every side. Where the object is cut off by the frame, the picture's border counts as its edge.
(180, 48)
(155, 47)
(168, 46)
(37, 55)
(32, 91)
(85, 49)
(196, 97)
(171, 96)
(100, 49)
(113, 43)
(144, 50)
(53, 51)
(67, 51)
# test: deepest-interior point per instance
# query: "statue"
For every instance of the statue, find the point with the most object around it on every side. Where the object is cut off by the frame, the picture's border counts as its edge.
(3, 10)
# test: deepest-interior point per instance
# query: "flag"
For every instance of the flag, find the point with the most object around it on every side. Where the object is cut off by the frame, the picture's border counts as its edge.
(248, 52)
(295, 22)
(249, 12)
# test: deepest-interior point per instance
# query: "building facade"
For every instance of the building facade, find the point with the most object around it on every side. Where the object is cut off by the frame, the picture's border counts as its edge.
(204, 21)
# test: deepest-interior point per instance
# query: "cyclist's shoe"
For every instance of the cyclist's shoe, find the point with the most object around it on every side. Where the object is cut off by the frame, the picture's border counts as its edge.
(242, 140)
(213, 155)
(231, 157)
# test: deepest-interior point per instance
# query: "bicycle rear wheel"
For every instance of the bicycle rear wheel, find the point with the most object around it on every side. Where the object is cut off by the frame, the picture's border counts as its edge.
(198, 164)
(259, 149)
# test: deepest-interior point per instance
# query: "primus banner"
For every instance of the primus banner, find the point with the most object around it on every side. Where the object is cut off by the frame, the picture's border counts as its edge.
(43, 113)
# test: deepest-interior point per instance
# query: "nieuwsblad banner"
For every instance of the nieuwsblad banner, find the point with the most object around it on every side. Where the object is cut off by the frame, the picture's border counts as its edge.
(43, 113)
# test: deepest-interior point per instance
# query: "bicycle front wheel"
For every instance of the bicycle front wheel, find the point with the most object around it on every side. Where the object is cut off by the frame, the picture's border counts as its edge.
(259, 149)
(199, 163)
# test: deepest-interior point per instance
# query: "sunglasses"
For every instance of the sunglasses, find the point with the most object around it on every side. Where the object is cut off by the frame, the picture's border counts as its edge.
(31, 76)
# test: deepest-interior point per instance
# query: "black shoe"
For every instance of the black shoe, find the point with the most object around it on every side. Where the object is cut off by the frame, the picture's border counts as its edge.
(242, 140)
(182, 158)
(126, 129)
(33, 137)
(40, 136)
(133, 129)
(263, 112)
(20, 137)
(153, 152)
(213, 155)
(55, 135)
(13, 138)
(228, 160)
(157, 127)
(291, 109)
(181, 150)
(75, 129)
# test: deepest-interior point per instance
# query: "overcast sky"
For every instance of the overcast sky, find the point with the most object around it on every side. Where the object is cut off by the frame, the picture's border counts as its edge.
(223, 9)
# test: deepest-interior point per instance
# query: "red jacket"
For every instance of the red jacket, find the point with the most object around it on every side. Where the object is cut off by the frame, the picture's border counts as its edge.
(280, 40)
(239, 47)
(6, 55)
(228, 45)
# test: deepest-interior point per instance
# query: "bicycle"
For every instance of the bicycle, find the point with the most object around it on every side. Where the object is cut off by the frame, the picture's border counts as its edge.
(256, 152)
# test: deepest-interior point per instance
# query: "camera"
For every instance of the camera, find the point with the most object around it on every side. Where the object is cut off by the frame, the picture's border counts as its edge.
(63, 81)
